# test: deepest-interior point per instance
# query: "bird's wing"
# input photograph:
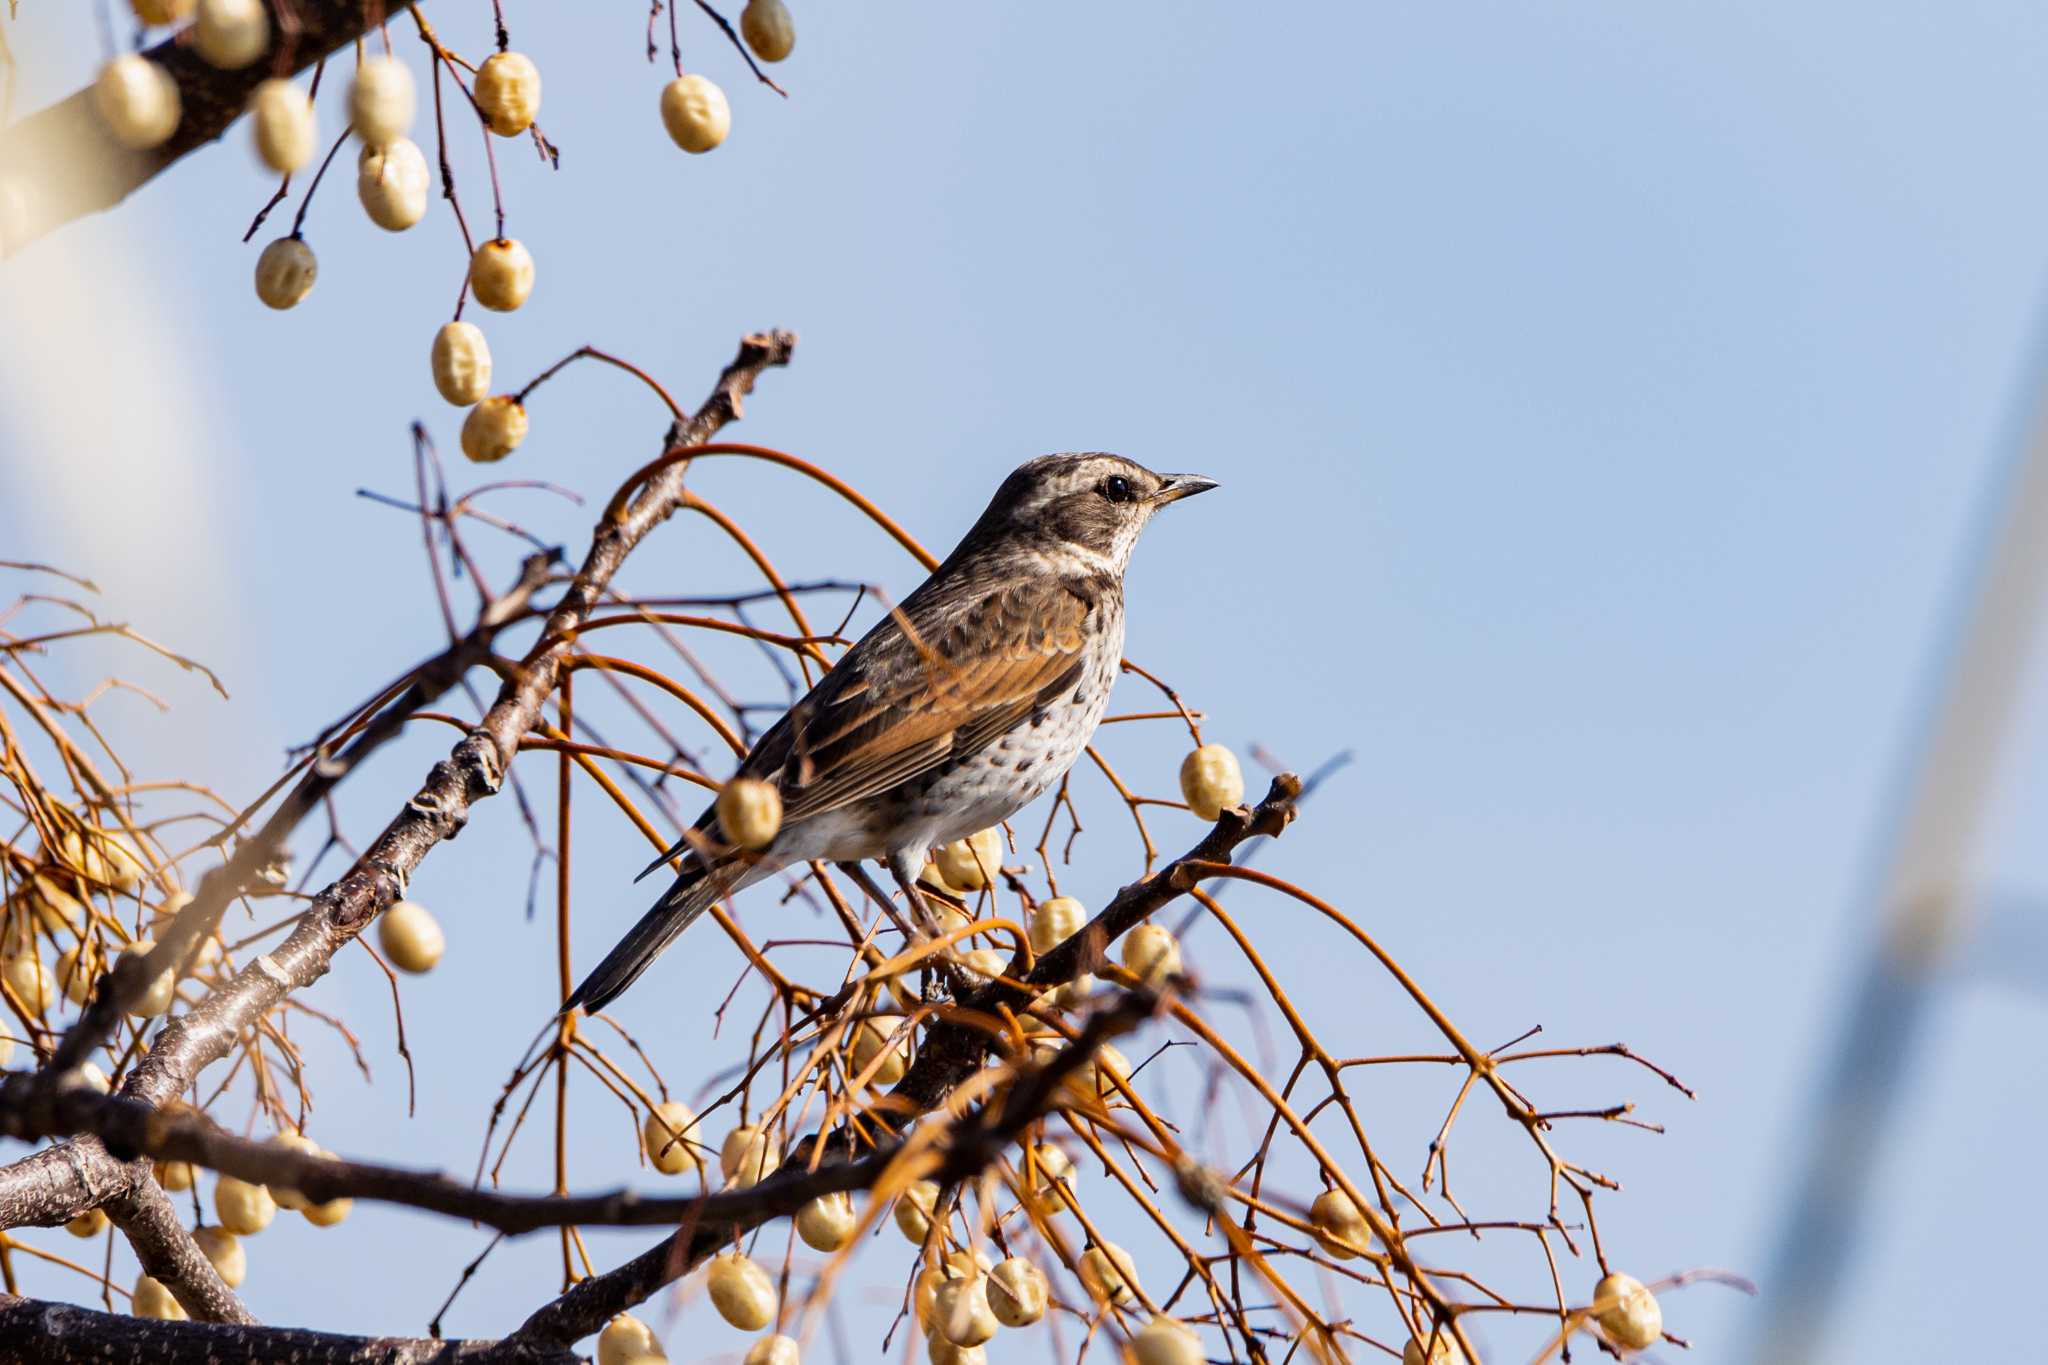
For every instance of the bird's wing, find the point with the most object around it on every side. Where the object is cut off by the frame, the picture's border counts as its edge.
(938, 678)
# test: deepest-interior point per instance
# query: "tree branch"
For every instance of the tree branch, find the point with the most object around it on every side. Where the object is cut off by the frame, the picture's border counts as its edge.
(130, 1130)
(950, 1053)
(953, 1050)
(58, 1183)
(59, 164)
(130, 978)
(62, 1334)
(974, 1142)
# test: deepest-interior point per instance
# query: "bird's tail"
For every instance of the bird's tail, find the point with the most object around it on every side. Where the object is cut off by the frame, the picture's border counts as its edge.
(691, 895)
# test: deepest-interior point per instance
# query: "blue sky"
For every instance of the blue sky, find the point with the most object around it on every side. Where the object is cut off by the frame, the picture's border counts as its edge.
(1599, 391)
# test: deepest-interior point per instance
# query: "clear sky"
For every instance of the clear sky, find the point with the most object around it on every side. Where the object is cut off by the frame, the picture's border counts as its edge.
(1599, 392)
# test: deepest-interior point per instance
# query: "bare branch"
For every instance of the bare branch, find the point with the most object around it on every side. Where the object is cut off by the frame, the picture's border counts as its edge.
(56, 1184)
(973, 1143)
(953, 1051)
(63, 1334)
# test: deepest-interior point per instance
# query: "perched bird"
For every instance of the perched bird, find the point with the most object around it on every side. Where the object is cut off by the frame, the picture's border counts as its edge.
(960, 707)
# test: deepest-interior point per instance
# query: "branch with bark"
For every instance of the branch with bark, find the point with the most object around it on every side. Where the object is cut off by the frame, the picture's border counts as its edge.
(951, 1052)
(60, 163)
(971, 1144)
(59, 1183)
(64, 1334)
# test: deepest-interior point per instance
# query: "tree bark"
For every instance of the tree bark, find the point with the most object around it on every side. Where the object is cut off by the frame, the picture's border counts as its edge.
(60, 164)
(64, 1334)
(59, 1183)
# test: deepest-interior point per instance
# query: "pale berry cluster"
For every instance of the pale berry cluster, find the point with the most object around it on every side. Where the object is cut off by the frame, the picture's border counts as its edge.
(141, 106)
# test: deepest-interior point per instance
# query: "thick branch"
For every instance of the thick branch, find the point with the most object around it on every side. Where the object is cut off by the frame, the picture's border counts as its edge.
(63, 1334)
(950, 1053)
(130, 1129)
(130, 979)
(60, 164)
(975, 1142)
(76, 1176)
(166, 1250)
(953, 1051)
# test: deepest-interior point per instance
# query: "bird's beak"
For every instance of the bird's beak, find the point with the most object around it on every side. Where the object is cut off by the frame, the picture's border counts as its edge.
(1174, 487)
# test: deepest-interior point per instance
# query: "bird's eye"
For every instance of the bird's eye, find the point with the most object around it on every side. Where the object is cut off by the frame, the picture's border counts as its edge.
(1116, 488)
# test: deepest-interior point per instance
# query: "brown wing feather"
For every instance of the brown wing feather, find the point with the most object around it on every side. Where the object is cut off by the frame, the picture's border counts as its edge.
(940, 677)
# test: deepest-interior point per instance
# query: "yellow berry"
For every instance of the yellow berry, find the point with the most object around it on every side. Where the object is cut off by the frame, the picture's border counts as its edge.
(137, 100)
(56, 908)
(305, 1146)
(1166, 1341)
(152, 1300)
(742, 1292)
(971, 863)
(175, 1176)
(462, 363)
(1075, 993)
(1017, 1292)
(285, 272)
(1105, 1069)
(670, 1132)
(1339, 1227)
(749, 812)
(31, 981)
(768, 29)
(380, 100)
(224, 1249)
(281, 121)
(76, 977)
(625, 1338)
(508, 91)
(985, 963)
(329, 1214)
(156, 13)
(119, 864)
(871, 1039)
(1052, 1167)
(89, 1075)
(1628, 1312)
(243, 1208)
(827, 1222)
(1108, 1274)
(1443, 1350)
(747, 1155)
(230, 34)
(940, 1351)
(91, 1223)
(391, 180)
(695, 113)
(924, 1296)
(411, 937)
(1210, 781)
(501, 274)
(1151, 954)
(493, 429)
(960, 1311)
(913, 1212)
(1055, 921)
(775, 1350)
(162, 992)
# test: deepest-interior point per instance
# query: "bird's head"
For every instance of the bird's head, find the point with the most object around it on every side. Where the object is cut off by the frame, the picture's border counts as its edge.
(1092, 505)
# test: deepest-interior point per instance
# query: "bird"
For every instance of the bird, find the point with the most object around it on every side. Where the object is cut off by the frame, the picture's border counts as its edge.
(963, 704)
